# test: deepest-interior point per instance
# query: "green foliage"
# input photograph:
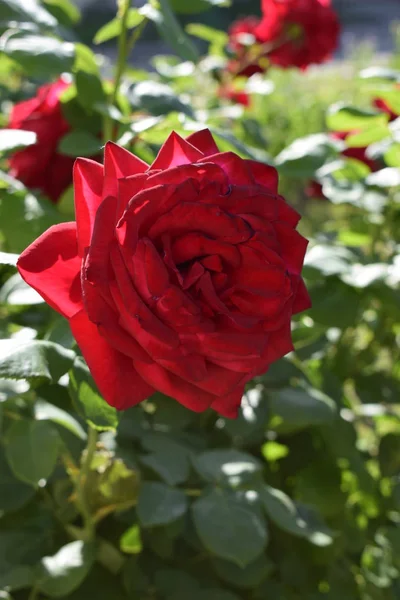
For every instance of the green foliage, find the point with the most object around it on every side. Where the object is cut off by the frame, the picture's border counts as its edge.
(299, 498)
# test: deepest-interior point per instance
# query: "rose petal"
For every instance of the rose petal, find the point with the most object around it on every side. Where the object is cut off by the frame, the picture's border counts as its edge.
(203, 141)
(176, 151)
(184, 392)
(113, 372)
(51, 266)
(302, 300)
(228, 406)
(118, 163)
(264, 175)
(88, 184)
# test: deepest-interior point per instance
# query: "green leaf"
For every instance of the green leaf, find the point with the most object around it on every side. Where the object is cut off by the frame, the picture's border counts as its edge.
(160, 504)
(44, 411)
(273, 451)
(229, 529)
(227, 466)
(88, 400)
(113, 28)
(40, 56)
(32, 450)
(61, 574)
(15, 139)
(169, 414)
(89, 87)
(18, 293)
(246, 577)
(392, 155)
(13, 493)
(35, 360)
(64, 11)
(209, 34)
(26, 11)
(16, 578)
(306, 155)
(79, 143)
(342, 117)
(169, 460)
(296, 408)
(23, 216)
(197, 6)
(170, 30)
(157, 98)
(282, 511)
(130, 541)
(368, 136)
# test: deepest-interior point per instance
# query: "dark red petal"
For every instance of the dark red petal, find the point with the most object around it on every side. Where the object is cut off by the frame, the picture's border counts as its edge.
(51, 265)
(293, 247)
(264, 175)
(176, 151)
(149, 273)
(208, 219)
(184, 392)
(279, 344)
(88, 185)
(113, 372)
(302, 300)
(228, 406)
(96, 263)
(194, 244)
(203, 141)
(118, 163)
(235, 167)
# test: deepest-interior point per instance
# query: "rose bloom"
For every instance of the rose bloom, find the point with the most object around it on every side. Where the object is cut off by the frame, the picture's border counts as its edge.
(40, 166)
(303, 32)
(180, 277)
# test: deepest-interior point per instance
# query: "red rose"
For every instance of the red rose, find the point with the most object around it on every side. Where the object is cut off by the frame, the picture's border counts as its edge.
(180, 277)
(40, 166)
(303, 32)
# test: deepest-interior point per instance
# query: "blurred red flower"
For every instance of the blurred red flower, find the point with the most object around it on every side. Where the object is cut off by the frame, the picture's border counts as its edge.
(41, 166)
(302, 32)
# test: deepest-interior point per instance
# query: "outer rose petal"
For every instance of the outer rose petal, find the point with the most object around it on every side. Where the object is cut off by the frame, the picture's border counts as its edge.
(203, 141)
(186, 393)
(176, 151)
(228, 406)
(88, 184)
(118, 163)
(113, 372)
(302, 300)
(51, 266)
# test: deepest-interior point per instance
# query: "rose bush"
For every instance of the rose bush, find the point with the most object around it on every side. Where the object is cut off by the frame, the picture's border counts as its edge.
(41, 166)
(180, 277)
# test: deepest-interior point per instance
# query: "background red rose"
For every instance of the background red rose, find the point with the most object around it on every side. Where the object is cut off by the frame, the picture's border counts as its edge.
(304, 31)
(40, 166)
(180, 277)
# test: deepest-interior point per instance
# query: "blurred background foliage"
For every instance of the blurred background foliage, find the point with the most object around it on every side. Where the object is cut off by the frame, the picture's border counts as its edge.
(299, 498)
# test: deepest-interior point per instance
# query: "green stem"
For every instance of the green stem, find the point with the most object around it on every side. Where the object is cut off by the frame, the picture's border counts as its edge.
(120, 67)
(89, 525)
(34, 593)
